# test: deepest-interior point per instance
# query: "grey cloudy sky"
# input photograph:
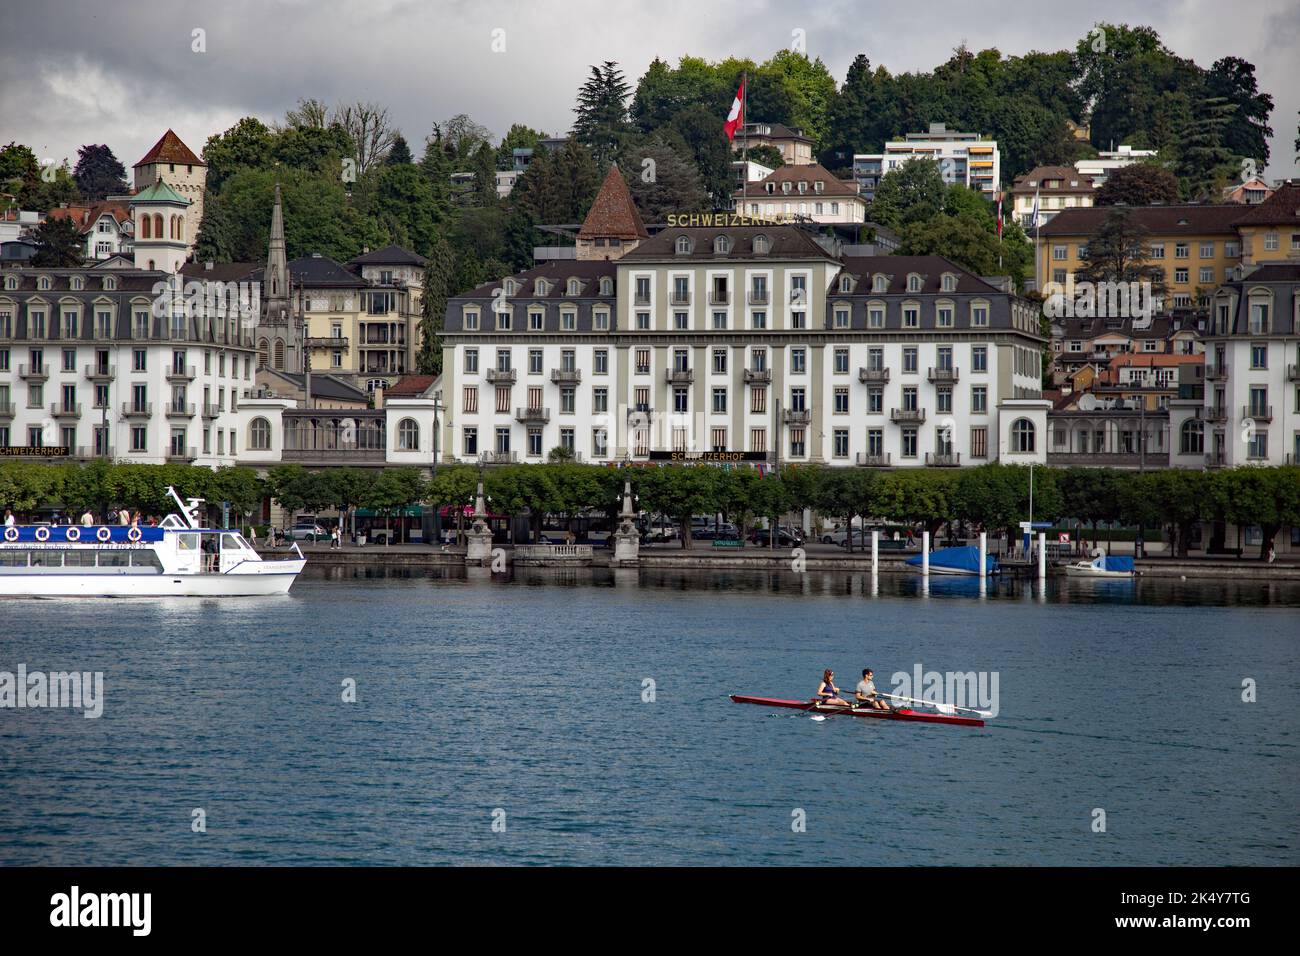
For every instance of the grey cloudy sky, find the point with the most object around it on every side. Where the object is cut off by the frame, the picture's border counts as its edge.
(75, 72)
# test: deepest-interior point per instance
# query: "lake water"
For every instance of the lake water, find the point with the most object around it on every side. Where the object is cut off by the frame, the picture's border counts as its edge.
(524, 695)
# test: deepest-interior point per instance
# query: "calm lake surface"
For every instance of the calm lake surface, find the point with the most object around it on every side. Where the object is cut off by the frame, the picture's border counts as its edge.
(524, 694)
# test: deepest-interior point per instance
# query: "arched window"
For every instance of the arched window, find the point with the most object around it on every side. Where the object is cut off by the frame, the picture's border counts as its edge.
(259, 435)
(760, 245)
(1022, 436)
(722, 245)
(279, 353)
(157, 225)
(606, 286)
(1191, 437)
(408, 435)
(263, 352)
(151, 265)
(683, 245)
(145, 227)
(914, 283)
(879, 284)
(949, 282)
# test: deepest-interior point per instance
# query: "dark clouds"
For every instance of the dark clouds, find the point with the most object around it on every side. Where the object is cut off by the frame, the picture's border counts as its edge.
(74, 72)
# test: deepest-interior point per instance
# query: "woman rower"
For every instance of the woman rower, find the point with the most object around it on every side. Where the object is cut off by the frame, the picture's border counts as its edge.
(827, 692)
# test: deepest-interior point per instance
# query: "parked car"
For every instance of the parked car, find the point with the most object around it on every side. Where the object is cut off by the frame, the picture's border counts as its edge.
(785, 538)
(308, 531)
(861, 538)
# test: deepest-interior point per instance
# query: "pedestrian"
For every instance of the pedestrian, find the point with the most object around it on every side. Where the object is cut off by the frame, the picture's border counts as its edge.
(87, 519)
(336, 539)
(1272, 554)
(9, 518)
(252, 535)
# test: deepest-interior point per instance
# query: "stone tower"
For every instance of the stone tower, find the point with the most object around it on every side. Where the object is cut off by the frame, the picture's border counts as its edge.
(159, 216)
(172, 161)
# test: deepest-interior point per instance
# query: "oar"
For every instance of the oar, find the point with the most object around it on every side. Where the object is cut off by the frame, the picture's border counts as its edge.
(948, 709)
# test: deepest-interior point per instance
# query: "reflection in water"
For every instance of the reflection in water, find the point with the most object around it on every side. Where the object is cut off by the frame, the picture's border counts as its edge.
(1207, 592)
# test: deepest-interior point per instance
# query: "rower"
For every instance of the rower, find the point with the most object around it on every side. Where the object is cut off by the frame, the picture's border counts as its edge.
(827, 692)
(865, 695)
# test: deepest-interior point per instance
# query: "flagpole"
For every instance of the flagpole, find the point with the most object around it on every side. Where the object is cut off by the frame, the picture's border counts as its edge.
(744, 146)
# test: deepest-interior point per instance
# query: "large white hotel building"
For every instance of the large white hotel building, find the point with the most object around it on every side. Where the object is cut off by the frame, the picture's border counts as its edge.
(741, 338)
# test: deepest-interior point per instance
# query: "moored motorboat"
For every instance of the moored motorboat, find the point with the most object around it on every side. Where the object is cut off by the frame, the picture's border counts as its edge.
(963, 560)
(904, 714)
(1102, 566)
(178, 557)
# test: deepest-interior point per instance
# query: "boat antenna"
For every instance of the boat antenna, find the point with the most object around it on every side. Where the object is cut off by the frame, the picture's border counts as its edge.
(189, 512)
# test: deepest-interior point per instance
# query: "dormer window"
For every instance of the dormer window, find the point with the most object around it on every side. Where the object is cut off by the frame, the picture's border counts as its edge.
(761, 245)
(606, 286)
(109, 283)
(771, 188)
(846, 284)
(949, 282)
(541, 287)
(803, 188)
(879, 284)
(508, 287)
(913, 283)
(683, 245)
(573, 287)
(785, 188)
(819, 187)
(721, 245)
(76, 283)
(11, 282)
(43, 283)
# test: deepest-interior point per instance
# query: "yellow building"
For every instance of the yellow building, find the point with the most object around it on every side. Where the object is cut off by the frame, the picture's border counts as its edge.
(1270, 231)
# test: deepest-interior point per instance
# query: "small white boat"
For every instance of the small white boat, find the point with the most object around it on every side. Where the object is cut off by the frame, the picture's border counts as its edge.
(1102, 566)
(176, 558)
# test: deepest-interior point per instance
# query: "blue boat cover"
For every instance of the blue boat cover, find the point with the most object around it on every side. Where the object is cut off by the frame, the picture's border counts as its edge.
(965, 559)
(77, 534)
(1117, 564)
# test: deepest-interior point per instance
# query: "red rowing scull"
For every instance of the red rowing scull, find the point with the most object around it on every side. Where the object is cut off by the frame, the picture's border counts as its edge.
(904, 714)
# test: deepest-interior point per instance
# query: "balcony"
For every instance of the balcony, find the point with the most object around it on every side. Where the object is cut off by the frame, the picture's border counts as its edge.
(178, 373)
(34, 371)
(679, 376)
(759, 376)
(797, 416)
(178, 453)
(1260, 413)
(679, 298)
(7, 410)
(1293, 373)
(327, 342)
(907, 416)
(641, 298)
(1109, 459)
(873, 461)
(65, 410)
(934, 459)
(720, 297)
(873, 376)
(100, 373)
(565, 376)
(137, 409)
(180, 410)
(1216, 413)
(533, 415)
(1216, 373)
(498, 458)
(210, 411)
(943, 376)
(759, 297)
(500, 376)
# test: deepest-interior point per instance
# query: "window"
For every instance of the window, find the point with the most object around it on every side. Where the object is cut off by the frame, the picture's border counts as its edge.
(1270, 241)
(979, 442)
(643, 361)
(909, 359)
(943, 400)
(718, 438)
(944, 317)
(798, 445)
(503, 440)
(534, 446)
(909, 442)
(471, 320)
(503, 321)
(469, 403)
(1022, 436)
(1060, 253)
(840, 443)
(600, 400)
(534, 361)
(1207, 250)
(408, 435)
(1257, 446)
(758, 400)
(600, 361)
(643, 321)
(568, 396)
(841, 399)
(259, 435)
(503, 399)
(683, 245)
(913, 283)
(911, 317)
(758, 320)
(1181, 275)
(720, 361)
(1181, 250)
(599, 442)
(979, 316)
(979, 399)
(1258, 356)
(681, 400)
(568, 321)
(875, 400)
(471, 361)
(841, 361)
(798, 361)
(681, 321)
(600, 320)
(536, 321)
(1191, 437)
(758, 440)
(719, 320)
(841, 318)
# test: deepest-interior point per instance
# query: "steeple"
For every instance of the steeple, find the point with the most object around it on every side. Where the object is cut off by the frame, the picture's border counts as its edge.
(280, 336)
(277, 267)
(613, 226)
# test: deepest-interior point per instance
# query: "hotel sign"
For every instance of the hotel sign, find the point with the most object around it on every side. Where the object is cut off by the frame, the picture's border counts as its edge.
(708, 456)
(724, 219)
(35, 451)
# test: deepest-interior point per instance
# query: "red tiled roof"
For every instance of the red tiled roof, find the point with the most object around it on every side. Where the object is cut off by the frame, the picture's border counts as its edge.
(1179, 220)
(613, 213)
(1041, 174)
(85, 215)
(170, 149)
(809, 173)
(410, 386)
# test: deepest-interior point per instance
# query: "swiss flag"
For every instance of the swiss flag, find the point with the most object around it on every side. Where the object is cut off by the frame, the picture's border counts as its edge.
(737, 115)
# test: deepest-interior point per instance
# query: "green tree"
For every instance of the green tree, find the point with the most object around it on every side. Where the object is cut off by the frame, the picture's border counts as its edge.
(913, 193)
(1117, 252)
(1140, 184)
(58, 243)
(98, 173)
(400, 152)
(661, 178)
(602, 117)
(438, 274)
(680, 492)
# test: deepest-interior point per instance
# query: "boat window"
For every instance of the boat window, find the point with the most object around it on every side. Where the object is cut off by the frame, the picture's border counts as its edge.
(79, 559)
(188, 542)
(47, 559)
(114, 559)
(145, 559)
(13, 559)
(232, 542)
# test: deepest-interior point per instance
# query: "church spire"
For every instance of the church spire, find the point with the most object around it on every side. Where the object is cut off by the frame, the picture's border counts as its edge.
(277, 268)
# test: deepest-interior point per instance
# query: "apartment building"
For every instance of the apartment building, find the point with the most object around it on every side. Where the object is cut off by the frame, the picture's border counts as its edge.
(755, 341)
(795, 148)
(1107, 161)
(106, 228)
(964, 158)
(1250, 413)
(90, 368)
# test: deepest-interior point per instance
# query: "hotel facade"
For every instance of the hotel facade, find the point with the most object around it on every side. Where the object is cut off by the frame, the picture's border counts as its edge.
(754, 339)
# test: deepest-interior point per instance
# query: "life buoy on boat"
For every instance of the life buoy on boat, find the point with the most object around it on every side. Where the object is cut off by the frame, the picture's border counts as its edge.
(11, 533)
(133, 534)
(72, 533)
(42, 534)
(103, 534)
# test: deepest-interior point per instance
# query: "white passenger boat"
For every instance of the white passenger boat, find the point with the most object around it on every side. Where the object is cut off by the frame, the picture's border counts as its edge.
(179, 557)
(1102, 566)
